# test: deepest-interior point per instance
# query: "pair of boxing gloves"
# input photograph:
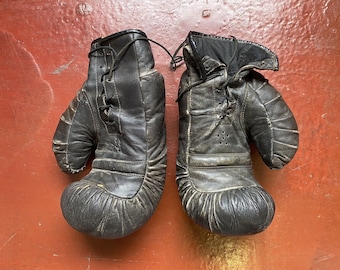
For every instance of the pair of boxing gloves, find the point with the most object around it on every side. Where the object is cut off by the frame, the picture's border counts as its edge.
(119, 115)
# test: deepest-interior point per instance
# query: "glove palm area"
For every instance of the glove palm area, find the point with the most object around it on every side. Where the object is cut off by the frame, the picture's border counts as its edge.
(119, 114)
(224, 105)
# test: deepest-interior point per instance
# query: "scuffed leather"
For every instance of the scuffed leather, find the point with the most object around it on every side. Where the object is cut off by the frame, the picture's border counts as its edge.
(119, 114)
(223, 106)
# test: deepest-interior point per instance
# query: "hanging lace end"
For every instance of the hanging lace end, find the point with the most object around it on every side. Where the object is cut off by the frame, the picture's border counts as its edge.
(175, 62)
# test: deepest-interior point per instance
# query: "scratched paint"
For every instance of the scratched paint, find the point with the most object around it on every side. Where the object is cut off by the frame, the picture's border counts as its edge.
(24, 96)
(62, 68)
(84, 9)
(7, 241)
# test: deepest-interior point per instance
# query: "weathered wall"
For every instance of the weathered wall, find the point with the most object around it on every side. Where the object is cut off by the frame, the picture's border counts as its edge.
(43, 54)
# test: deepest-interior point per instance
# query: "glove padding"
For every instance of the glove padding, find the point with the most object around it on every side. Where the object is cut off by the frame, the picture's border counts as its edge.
(223, 105)
(119, 113)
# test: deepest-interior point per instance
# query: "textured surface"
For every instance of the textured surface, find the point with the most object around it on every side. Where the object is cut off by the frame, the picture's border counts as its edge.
(123, 121)
(223, 105)
(44, 60)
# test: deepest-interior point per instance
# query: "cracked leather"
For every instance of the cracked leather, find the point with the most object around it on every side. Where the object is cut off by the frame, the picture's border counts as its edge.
(224, 105)
(118, 114)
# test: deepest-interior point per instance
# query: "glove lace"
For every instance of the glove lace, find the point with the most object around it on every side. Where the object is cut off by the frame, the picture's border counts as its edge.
(108, 107)
(117, 56)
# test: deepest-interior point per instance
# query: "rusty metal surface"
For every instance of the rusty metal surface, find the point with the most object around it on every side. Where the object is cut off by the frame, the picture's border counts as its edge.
(43, 50)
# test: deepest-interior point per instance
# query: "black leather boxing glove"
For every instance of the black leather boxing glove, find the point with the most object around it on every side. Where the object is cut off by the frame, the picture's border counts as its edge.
(119, 114)
(223, 105)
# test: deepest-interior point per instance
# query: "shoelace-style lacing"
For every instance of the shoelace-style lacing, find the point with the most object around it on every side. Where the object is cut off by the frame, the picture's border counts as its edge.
(108, 107)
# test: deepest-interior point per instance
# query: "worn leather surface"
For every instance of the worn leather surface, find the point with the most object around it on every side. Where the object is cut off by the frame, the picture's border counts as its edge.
(224, 105)
(118, 114)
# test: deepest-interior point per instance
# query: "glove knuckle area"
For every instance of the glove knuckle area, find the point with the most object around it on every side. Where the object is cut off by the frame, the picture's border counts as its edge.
(225, 198)
(89, 207)
(238, 211)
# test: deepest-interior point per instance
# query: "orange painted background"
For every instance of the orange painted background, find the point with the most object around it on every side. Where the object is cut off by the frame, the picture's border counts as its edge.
(43, 62)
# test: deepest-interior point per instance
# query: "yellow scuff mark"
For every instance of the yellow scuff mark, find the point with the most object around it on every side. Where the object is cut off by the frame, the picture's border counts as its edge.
(225, 253)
